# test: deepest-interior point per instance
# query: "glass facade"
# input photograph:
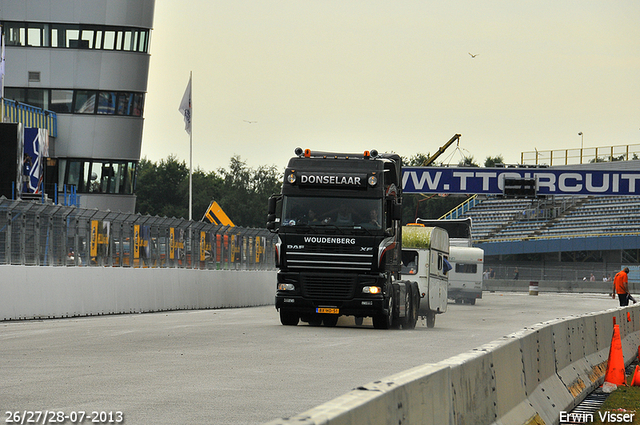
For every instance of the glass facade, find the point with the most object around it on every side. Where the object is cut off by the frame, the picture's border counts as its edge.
(63, 101)
(76, 36)
(98, 176)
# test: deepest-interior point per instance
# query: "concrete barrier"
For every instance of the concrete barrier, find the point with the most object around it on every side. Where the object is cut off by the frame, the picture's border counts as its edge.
(51, 292)
(528, 377)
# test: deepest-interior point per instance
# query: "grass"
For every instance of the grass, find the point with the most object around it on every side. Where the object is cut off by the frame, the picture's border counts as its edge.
(622, 400)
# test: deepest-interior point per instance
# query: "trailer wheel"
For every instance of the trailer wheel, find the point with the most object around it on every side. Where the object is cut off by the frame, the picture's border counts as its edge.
(431, 319)
(288, 319)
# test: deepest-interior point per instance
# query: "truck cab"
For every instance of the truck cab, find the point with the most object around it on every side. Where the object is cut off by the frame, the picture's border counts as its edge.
(339, 239)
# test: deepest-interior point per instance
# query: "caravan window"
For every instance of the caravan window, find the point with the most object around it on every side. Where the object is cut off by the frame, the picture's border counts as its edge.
(466, 268)
(409, 262)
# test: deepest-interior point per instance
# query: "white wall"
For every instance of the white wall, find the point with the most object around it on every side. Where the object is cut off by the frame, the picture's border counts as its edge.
(34, 292)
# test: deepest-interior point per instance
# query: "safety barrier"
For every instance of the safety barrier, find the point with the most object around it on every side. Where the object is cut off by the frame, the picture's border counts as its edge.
(54, 292)
(528, 377)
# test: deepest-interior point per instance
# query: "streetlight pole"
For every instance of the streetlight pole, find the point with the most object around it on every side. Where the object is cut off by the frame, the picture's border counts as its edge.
(581, 144)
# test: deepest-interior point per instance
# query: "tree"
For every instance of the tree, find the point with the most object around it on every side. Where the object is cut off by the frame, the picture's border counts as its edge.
(242, 192)
(159, 188)
(246, 191)
(416, 160)
(492, 161)
(468, 161)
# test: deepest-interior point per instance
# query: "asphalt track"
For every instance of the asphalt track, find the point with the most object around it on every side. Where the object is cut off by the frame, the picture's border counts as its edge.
(237, 366)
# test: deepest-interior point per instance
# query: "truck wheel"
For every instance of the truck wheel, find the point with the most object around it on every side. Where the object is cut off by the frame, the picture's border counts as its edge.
(471, 301)
(431, 319)
(359, 320)
(315, 320)
(412, 314)
(382, 321)
(288, 319)
(330, 320)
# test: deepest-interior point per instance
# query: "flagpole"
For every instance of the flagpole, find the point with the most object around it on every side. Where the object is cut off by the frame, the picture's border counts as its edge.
(191, 154)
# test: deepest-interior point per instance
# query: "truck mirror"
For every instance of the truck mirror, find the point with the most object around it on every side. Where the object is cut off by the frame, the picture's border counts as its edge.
(273, 200)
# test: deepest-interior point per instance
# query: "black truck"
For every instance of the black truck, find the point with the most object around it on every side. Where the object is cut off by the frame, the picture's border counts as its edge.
(339, 248)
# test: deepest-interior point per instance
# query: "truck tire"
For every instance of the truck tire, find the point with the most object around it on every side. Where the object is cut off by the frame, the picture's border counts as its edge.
(330, 320)
(315, 320)
(384, 321)
(287, 318)
(359, 320)
(412, 313)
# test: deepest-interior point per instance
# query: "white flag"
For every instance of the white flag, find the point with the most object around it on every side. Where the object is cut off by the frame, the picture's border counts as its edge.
(185, 107)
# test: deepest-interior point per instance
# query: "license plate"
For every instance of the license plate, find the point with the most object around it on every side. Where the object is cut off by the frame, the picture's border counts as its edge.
(327, 310)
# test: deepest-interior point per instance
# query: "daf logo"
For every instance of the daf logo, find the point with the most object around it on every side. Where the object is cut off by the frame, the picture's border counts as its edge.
(366, 249)
(295, 246)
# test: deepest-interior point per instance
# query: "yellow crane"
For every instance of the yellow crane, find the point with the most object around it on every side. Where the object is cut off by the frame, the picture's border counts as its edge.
(440, 151)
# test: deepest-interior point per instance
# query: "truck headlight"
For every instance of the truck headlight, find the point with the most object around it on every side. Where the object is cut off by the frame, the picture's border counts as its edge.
(291, 178)
(373, 180)
(371, 290)
(286, 287)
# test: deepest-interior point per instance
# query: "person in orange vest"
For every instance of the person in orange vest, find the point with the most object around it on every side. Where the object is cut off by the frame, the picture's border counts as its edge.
(621, 285)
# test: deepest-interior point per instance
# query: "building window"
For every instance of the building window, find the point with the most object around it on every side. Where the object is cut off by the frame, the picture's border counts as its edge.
(107, 102)
(74, 36)
(61, 101)
(85, 102)
(98, 176)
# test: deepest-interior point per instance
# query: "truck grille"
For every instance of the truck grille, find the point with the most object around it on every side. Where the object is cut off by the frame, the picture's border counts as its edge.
(329, 261)
(328, 287)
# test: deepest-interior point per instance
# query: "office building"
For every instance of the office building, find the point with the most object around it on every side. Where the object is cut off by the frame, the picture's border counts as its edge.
(88, 63)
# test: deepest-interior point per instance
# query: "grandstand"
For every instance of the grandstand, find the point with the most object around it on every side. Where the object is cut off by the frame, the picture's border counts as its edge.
(593, 233)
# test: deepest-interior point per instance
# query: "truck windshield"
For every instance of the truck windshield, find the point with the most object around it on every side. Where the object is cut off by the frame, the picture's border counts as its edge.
(332, 211)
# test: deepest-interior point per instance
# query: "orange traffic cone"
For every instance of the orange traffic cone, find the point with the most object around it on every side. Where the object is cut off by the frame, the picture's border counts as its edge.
(635, 382)
(615, 363)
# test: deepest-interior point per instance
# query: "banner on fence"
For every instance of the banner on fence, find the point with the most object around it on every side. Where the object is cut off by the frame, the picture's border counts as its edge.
(491, 181)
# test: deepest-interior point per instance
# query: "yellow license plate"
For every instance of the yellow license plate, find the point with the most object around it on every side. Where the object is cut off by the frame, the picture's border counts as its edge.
(328, 310)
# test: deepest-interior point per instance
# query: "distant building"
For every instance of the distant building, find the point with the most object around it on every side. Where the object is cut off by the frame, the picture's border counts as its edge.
(88, 62)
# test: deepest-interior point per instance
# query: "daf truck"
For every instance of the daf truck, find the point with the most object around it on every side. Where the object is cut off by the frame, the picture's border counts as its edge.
(339, 246)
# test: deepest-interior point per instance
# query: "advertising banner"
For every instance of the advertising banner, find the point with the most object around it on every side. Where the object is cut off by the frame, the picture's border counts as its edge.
(491, 181)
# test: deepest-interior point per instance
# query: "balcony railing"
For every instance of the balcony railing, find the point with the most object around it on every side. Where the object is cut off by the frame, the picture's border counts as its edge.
(30, 116)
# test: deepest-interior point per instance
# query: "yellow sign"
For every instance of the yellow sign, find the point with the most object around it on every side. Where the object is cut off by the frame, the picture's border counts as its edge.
(216, 216)
(136, 241)
(172, 243)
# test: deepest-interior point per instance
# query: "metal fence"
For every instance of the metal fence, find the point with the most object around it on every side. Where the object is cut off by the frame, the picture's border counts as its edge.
(36, 234)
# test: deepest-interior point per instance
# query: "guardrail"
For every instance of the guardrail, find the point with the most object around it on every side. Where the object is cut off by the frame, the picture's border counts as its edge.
(529, 377)
(36, 234)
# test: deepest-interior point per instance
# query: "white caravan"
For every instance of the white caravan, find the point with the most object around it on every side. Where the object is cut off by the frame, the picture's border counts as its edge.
(465, 277)
(424, 259)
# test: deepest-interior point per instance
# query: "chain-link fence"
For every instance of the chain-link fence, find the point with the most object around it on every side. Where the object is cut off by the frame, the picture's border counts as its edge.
(556, 272)
(36, 234)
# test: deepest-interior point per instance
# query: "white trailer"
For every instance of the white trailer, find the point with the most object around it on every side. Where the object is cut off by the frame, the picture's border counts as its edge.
(465, 277)
(425, 252)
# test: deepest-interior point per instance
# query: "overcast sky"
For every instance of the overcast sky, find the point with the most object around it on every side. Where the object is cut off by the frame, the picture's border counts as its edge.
(394, 75)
